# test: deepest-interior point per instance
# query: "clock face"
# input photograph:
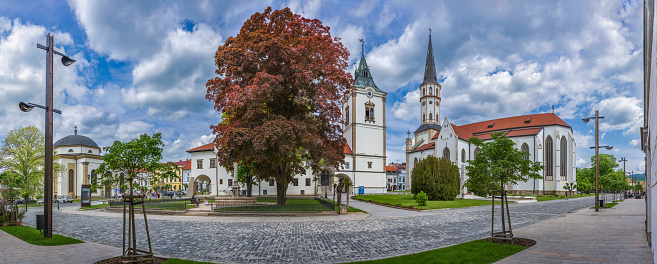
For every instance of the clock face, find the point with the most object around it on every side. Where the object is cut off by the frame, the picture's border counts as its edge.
(370, 93)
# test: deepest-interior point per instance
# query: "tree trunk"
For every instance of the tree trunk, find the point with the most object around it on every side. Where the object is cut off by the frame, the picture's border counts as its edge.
(280, 193)
(249, 185)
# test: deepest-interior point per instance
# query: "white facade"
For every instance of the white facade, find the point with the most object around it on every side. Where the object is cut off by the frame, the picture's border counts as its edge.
(648, 141)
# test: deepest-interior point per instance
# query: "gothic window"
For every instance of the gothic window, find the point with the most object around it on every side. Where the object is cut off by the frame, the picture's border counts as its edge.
(563, 151)
(415, 163)
(446, 153)
(430, 90)
(369, 112)
(463, 155)
(71, 179)
(476, 152)
(346, 114)
(549, 159)
(430, 117)
(525, 150)
(324, 178)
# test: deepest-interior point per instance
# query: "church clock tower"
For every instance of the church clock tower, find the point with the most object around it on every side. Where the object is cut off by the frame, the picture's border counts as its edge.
(429, 101)
(365, 130)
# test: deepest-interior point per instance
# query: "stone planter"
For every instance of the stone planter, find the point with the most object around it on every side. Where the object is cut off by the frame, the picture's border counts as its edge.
(20, 223)
(3, 224)
(342, 209)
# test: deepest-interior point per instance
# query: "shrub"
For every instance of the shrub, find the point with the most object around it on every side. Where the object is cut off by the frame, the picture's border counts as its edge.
(438, 178)
(421, 199)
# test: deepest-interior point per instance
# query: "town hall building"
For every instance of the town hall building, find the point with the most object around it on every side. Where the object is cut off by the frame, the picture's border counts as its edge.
(544, 137)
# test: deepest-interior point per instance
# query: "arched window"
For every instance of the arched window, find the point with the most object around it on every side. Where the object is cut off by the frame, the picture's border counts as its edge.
(415, 163)
(367, 112)
(71, 180)
(424, 117)
(476, 152)
(424, 91)
(463, 155)
(446, 153)
(90, 152)
(549, 159)
(94, 177)
(346, 114)
(324, 177)
(70, 150)
(525, 150)
(563, 151)
(430, 117)
(430, 90)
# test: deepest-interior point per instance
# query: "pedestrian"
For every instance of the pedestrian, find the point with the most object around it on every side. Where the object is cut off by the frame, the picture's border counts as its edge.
(158, 195)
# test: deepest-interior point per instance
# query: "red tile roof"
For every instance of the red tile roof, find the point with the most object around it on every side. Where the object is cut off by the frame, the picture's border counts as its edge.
(347, 150)
(205, 147)
(181, 163)
(188, 166)
(515, 122)
(425, 147)
(435, 136)
(390, 168)
(523, 132)
(461, 132)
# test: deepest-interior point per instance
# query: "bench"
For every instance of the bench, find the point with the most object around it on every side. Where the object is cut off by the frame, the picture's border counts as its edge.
(193, 201)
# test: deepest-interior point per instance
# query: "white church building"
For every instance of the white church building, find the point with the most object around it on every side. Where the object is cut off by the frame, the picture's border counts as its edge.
(544, 137)
(365, 152)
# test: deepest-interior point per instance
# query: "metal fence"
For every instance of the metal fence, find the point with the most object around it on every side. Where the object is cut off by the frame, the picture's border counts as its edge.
(177, 205)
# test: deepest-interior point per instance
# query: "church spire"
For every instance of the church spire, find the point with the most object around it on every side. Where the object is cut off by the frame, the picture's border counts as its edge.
(430, 67)
(363, 74)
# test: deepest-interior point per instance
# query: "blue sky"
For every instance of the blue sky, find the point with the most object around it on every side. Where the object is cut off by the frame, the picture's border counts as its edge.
(142, 65)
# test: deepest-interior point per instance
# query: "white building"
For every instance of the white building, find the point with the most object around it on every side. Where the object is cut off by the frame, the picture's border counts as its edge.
(80, 157)
(648, 141)
(545, 137)
(365, 152)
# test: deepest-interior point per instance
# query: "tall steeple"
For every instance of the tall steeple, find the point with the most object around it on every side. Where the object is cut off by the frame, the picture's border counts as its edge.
(430, 67)
(363, 74)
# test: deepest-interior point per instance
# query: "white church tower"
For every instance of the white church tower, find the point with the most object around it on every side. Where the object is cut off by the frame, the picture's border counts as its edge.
(429, 100)
(365, 131)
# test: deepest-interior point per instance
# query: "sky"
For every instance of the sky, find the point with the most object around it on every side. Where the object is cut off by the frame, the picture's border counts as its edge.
(142, 65)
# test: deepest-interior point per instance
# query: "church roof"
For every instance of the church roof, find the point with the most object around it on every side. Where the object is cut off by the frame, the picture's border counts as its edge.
(75, 140)
(427, 126)
(515, 126)
(431, 145)
(430, 66)
(206, 147)
(363, 74)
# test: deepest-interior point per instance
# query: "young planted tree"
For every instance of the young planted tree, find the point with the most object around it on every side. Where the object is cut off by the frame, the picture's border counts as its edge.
(499, 162)
(138, 161)
(22, 153)
(281, 82)
(569, 187)
(245, 176)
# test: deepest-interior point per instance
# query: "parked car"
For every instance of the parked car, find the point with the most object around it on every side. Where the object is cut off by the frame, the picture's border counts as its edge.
(64, 199)
(40, 201)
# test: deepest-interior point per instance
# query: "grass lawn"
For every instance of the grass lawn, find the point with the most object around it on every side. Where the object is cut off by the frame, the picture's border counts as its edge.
(607, 205)
(184, 261)
(95, 206)
(549, 197)
(33, 236)
(407, 200)
(290, 205)
(478, 251)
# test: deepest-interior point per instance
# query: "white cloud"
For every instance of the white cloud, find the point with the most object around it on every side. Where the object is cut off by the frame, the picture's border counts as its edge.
(620, 113)
(408, 108)
(581, 163)
(635, 142)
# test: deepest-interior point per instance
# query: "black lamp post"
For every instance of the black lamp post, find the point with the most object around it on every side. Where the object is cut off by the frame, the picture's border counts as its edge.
(597, 147)
(26, 107)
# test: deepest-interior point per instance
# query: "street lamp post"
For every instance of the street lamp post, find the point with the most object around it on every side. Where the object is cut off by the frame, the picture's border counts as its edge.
(624, 178)
(597, 147)
(26, 107)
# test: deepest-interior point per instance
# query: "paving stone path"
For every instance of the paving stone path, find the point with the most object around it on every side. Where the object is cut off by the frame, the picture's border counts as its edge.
(311, 241)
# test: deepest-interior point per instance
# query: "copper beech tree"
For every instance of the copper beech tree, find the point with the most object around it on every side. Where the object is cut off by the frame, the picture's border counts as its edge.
(281, 82)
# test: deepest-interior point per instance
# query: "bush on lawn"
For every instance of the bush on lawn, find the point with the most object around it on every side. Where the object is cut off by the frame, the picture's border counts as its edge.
(421, 199)
(438, 178)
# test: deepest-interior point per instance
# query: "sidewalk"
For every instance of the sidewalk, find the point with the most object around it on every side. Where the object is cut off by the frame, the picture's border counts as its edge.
(16, 251)
(613, 235)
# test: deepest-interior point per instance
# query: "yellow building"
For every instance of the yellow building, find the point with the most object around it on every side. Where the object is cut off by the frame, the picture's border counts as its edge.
(175, 184)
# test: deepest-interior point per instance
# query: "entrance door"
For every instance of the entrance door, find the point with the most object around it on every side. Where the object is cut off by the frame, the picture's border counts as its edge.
(325, 178)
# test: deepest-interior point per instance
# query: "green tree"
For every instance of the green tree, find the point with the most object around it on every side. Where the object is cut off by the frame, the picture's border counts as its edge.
(499, 162)
(245, 176)
(22, 153)
(438, 178)
(584, 185)
(138, 160)
(569, 187)
(281, 84)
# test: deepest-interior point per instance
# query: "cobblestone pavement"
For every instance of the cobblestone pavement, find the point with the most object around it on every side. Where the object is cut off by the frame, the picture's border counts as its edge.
(307, 242)
(614, 235)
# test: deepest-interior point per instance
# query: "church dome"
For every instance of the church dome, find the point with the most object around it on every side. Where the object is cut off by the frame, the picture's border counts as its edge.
(75, 140)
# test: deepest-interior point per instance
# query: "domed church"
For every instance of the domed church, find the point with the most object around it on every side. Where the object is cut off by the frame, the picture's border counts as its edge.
(80, 157)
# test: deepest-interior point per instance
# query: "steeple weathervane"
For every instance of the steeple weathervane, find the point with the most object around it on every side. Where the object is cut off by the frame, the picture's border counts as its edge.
(75, 129)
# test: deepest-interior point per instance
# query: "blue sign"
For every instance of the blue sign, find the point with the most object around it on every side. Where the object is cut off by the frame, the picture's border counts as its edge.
(361, 189)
